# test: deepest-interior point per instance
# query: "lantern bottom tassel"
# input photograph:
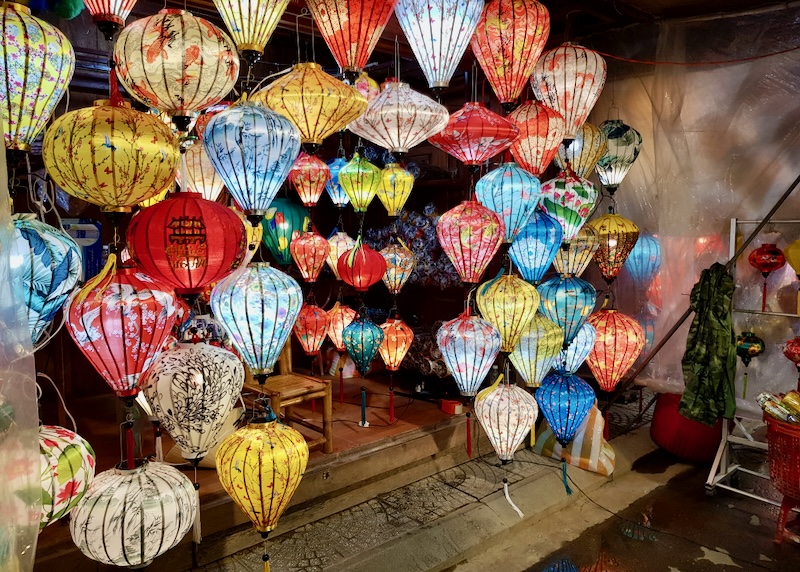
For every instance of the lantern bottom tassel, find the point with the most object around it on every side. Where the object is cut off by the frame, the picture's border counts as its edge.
(744, 385)
(564, 476)
(508, 498)
(265, 560)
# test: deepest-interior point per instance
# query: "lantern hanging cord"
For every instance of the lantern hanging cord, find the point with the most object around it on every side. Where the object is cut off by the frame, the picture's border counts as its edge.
(699, 64)
(60, 398)
(474, 89)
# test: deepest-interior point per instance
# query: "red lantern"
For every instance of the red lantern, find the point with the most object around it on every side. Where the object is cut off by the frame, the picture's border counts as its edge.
(617, 345)
(766, 258)
(540, 133)
(361, 267)
(474, 134)
(187, 241)
(309, 175)
(311, 327)
(310, 251)
(470, 235)
(397, 339)
(341, 316)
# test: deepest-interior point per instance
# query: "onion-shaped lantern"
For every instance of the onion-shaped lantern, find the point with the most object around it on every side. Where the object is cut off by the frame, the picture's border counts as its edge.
(397, 339)
(644, 261)
(341, 316)
(360, 180)
(616, 237)
(187, 241)
(362, 338)
(311, 327)
(583, 152)
(110, 155)
(176, 62)
(567, 301)
(400, 263)
(536, 245)
(339, 243)
(308, 176)
(511, 192)
(284, 221)
(469, 346)
(508, 40)
(128, 517)
(507, 413)
(253, 150)
(251, 23)
(361, 267)
(475, 134)
(791, 349)
(509, 304)
(191, 389)
(541, 131)
(335, 191)
(201, 176)
(565, 401)
(569, 200)
(68, 464)
(400, 118)
(624, 143)
(767, 258)
(37, 61)
(121, 325)
(257, 308)
(574, 259)
(571, 358)
(395, 188)
(569, 79)
(618, 343)
(537, 350)
(470, 235)
(309, 252)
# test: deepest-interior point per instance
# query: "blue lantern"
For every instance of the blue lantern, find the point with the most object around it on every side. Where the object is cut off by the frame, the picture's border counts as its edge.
(644, 261)
(565, 401)
(647, 320)
(570, 359)
(536, 245)
(257, 307)
(335, 190)
(253, 149)
(362, 338)
(567, 301)
(283, 219)
(512, 192)
(563, 565)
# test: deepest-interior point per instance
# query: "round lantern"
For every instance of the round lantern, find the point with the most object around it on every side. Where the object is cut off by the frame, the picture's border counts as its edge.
(541, 131)
(583, 152)
(121, 325)
(251, 24)
(397, 339)
(766, 258)
(507, 413)
(360, 180)
(110, 155)
(308, 176)
(192, 388)
(474, 134)
(537, 350)
(68, 465)
(571, 359)
(361, 267)
(341, 316)
(176, 62)
(339, 243)
(567, 301)
(257, 308)
(187, 241)
(624, 143)
(49, 263)
(310, 251)
(253, 150)
(362, 339)
(470, 235)
(616, 237)
(317, 103)
(536, 245)
(283, 221)
(565, 401)
(644, 261)
(569, 79)
(400, 263)
(310, 328)
(469, 346)
(791, 349)
(128, 517)
(574, 259)
(511, 192)
(569, 200)
(395, 188)
(619, 341)
(37, 62)
(508, 40)
(201, 177)
(335, 191)
(400, 118)
(509, 304)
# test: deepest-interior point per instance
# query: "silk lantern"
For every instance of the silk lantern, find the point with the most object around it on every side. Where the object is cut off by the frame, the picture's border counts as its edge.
(644, 261)
(361, 267)
(475, 134)
(109, 15)
(766, 258)
(110, 155)
(469, 346)
(536, 245)
(311, 327)
(339, 243)
(310, 251)
(400, 118)
(583, 152)
(283, 221)
(511, 192)
(397, 339)
(253, 149)
(201, 176)
(308, 176)
(337, 195)
(341, 316)
(567, 301)
(128, 517)
(362, 340)
(569, 200)
(792, 255)
(618, 342)
(37, 61)
(569, 79)
(257, 308)
(251, 23)
(624, 143)
(470, 235)
(748, 346)
(791, 349)
(202, 120)
(176, 62)
(537, 350)
(565, 401)
(367, 86)
(400, 264)
(508, 40)
(395, 188)
(360, 180)
(541, 131)
(575, 258)
(507, 413)
(509, 304)
(67, 464)
(616, 237)
(570, 359)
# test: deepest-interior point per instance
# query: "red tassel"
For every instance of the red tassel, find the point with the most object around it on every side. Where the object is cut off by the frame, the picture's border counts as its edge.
(313, 406)
(391, 405)
(115, 96)
(469, 435)
(130, 447)
(764, 297)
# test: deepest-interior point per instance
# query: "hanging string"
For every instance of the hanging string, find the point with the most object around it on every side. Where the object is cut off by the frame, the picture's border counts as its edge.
(474, 79)
(564, 476)
(397, 58)
(60, 398)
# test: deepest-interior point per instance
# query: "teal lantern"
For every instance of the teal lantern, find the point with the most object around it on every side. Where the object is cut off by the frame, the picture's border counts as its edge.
(512, 192)
(362, 339)
(536, 245)
(283, 219)
(571, 358)
(644, 261)
(567, 301)
(335, 190)
(565, 401)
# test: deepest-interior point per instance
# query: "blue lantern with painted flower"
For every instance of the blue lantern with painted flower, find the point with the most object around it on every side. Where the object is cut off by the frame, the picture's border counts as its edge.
(570, 359)
(567, 301)
(512, 192)
(362, 339)
(644, 261)
(536, 245)
(335, 191)
(565, 401)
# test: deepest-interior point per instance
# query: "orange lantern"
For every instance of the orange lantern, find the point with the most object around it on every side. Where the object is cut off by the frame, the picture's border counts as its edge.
(310, 328)
(361, 267)
(109, 15)
(618, 343)
(540, 133)
(341, 315)
(308, 176)
(397, 339)
(310, 251)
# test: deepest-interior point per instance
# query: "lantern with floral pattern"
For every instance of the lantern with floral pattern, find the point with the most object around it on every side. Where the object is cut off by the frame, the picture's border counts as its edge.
(251, 23)
(309, 175)
(537, 350)
(574, 259)
(397, 339)
(511, 192)
(583, 152)
(284, 221)
(362, 338)
(341, 316)
(339, 243)
(310, 251)
(400, 263)
(475, 134)
(536, 245)
(360, 180)
(509, 304)
(507, 413)
(618, 342)
(565, 401)
(395, 188)
(616, 237)
(567, 301)
(571, 358)
(311, 327)
(469, 346)
(541, 131)
(569, 200)
(337, 195)
(470, 235)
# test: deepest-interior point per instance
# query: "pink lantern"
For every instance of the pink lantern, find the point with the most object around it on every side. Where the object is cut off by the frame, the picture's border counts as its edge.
(541, 131)
(309, 175)
(475, 134)
(470, 235)
(310, 251)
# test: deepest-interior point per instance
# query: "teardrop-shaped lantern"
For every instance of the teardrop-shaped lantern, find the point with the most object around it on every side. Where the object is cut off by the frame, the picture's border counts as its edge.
(618, 343)
(511, 192)
(569, 79)
(253, 149)
(509, 304)
(360, 180)
(570, 201)
(438, 32)
(176, 62)
(541, 131)
(121, 325)
(251, 23)
(469, 346)
(470, 235)
(537, 350)
(335, 191)
(361, 267)
(257, 308)
(567, 301)
(192, 388)
(616, 237)
(201, 176)
(362, 338)
(283, 222)
(536, 245)
(128, 517)
(341, 316)
(574, 259)
(109, 15)
(339, 243)
(624, 143)
(644, 261)
(397, 339)
(309, 252)
(565, 401)
(583, 152)
(508, 40)
(37, 61)
(110, 155)
(400, 118)
(309, 175)
(507, 413)
(571, 359)
(395, 188)
(475, 134)
(400, 263)
(311, 327)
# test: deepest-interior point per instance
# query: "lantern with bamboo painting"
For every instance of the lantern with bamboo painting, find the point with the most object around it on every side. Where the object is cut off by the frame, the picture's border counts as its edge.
(361, 267)
(200, 173)
(475, 134)
(339, 243)
(536, 245)
(541, 131)
(511, 192)
(509, 304)
(569, 200)
(767, 258)
(395, 188)
(470, 235)
(469, 346)
(565, 401)
(567, 301)
(397, 339)
(310, 251)
(360, 180)
(616, 237)
(341, 316)
(309, 175)
(537, 350)
(507, 413)
(335, 191)
(311, 327)
(400, 263)
(283, 221)
(624, 143)
(574, 259)
(251, 23)
(619, 341)
(362, 338)
(583, 152)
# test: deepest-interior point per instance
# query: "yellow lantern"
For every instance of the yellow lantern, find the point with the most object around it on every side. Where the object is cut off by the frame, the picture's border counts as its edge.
(154, 200)
(251, 23)
(509, 304)
(360, 180)
(537, 350)
(397, 340)
(396, 185)
(583, 152)
(616, 238)
(574, 259)
(792, 255)
(111, 155)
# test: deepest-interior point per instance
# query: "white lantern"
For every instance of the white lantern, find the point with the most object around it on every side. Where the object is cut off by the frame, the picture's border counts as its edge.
(507, 414)
(200, 173)
(469, 346)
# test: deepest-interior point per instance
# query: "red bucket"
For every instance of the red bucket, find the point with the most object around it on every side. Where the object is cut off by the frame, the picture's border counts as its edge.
(784, 456)
(684, 438)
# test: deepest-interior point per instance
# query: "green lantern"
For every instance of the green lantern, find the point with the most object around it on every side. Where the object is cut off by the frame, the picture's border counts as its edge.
(360, 181)
(284, 220)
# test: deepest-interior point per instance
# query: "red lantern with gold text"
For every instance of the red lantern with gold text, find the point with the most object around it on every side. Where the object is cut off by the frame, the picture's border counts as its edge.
(361, 267)
(397, 339)
(470, 235)
(475, 134)
(766, 258)
(540, 133)
(310, 251)
(308, 176)
(617, 345)
(341, 315)
(311, 328)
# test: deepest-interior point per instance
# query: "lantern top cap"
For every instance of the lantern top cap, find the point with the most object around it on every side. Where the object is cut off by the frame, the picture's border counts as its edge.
(107, 103)
(19, 7)
(307, 65)
(174, 11)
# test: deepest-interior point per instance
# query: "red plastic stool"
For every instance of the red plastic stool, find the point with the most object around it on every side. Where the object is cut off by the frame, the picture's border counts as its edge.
(783, 440)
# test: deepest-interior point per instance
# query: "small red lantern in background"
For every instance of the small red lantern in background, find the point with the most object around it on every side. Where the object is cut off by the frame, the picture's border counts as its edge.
(311, 327)
(397, 339)
(310, 251)
(618, 343)
(766, 258)
(470, 235)
(308, 176)
(361, 267)
(791, 349)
